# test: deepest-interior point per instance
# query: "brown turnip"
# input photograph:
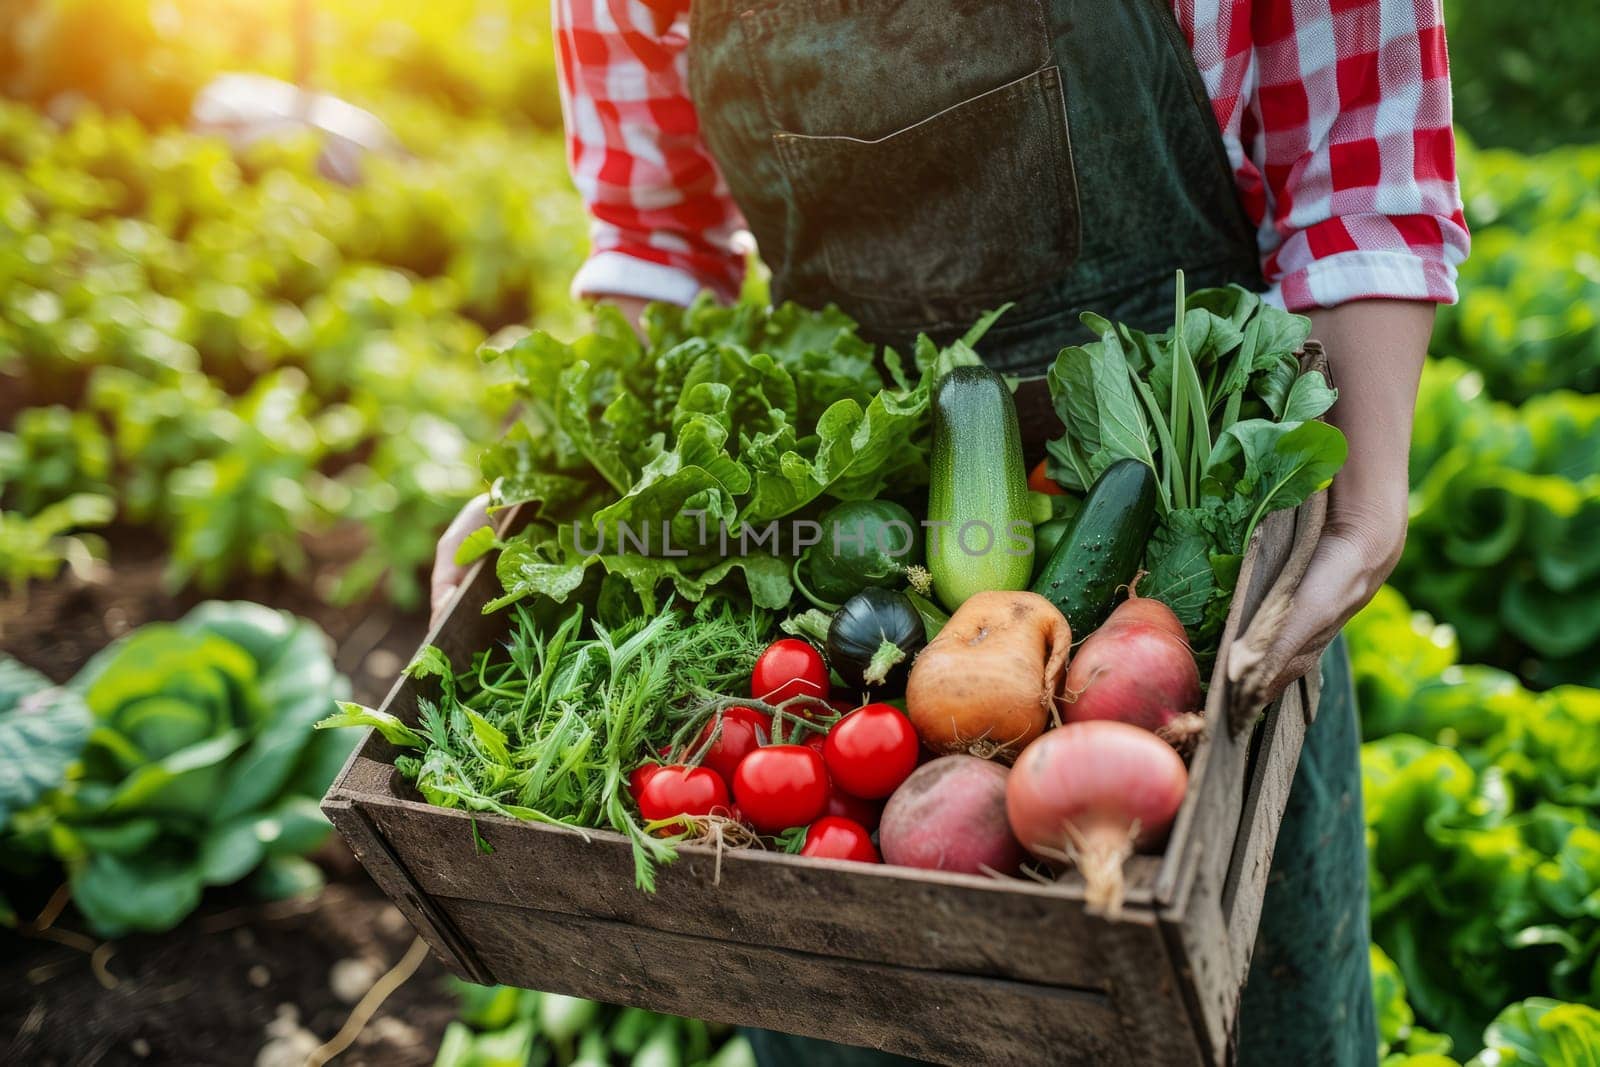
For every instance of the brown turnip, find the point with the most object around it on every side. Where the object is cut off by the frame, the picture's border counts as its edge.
(985, 686)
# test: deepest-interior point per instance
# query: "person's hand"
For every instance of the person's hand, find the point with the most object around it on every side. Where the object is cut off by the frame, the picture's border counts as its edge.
(1376, 349)
(447, 573)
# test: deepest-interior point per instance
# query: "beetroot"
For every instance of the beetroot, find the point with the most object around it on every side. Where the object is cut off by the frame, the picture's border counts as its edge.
(1137, 668)
(950, 815)
(1089, 793)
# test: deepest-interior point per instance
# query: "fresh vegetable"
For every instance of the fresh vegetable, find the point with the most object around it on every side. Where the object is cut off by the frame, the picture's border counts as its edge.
(720, 419)
(833, 838)
(680, 790)
(950, 815)
(866, 544)
(1219, 410)
(789, 668)
(1089, 793)
(180, 757)
(1505, 509)
(866, 812)
(1100, 554)
(780, 787)
(590, 710)
(729, 737)
(1046, 536)
(499, 1026)
(255, 356)
(639, 776)
(986, 685)
(1138, 669)
(980, 535)
(1039, 480)
(1480, 798)
(871, 751)
(872, 638)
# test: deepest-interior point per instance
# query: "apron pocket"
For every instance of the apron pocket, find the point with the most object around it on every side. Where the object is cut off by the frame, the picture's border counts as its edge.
(978, 201)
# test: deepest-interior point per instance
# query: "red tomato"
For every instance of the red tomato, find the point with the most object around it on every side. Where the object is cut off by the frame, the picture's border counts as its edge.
(866, 812)
(871, 751)
(743, 731)
(781, 786)
(680, 790)
(1039, 481)
(814, 740)
(639, 776)
(789, 668)
(833, 838)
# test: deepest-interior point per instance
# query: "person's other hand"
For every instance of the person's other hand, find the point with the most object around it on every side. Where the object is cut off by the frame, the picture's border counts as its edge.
(1375, 349)
(447, 573)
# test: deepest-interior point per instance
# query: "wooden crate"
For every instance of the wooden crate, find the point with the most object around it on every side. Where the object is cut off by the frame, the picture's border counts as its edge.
(951, 968)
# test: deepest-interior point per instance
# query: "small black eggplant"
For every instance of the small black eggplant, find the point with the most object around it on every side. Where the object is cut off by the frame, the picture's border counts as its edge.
(873, 638)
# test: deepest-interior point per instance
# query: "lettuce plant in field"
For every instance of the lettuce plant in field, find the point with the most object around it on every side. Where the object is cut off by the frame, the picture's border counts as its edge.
(1484, 839)
(1505, 510)
(197, 765)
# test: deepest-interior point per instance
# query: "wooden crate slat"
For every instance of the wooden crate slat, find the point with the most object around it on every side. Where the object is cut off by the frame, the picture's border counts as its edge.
(960, 923)
(390, 873)
(1283, 735)
(943, 1018)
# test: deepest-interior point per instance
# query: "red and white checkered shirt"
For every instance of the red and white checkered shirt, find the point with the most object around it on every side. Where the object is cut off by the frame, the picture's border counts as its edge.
(1335, 115)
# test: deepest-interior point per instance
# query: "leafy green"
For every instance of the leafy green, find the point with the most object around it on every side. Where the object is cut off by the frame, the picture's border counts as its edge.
(1484, 840)
(36, 546)
(499, 1026)
(1540, 1032)
(241, 355)
(696, 441)
(183, 756)
(1218, 408)
(42, 730)
(547, 727)
(1504, 505)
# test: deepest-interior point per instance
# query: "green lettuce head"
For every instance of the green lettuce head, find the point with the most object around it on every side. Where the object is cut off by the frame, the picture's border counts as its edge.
(201, 766)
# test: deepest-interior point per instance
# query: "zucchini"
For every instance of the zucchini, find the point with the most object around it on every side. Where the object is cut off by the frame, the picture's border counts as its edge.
(1102, 551)
(979, 534)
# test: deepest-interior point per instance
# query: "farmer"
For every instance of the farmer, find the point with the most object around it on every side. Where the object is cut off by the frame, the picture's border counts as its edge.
(917, 163)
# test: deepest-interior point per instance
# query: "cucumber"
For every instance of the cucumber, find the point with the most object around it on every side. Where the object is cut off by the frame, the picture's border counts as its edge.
(1102, 551)
(979, 536)
(1046, 536)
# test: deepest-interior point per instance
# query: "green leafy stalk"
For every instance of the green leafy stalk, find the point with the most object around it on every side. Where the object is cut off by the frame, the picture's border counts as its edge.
(547, 727)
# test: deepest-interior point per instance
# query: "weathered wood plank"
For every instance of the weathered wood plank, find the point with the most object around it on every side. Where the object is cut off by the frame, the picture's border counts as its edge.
(973, 925)
(943, 1018)
(1283, 733)
(385, 869)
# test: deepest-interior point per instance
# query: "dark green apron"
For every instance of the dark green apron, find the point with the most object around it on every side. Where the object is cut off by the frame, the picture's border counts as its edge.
(919, 163)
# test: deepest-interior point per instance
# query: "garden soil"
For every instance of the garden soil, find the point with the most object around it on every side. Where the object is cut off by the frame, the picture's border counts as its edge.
(240, 983)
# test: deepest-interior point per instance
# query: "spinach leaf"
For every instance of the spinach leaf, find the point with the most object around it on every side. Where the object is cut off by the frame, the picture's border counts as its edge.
(1272, 465)
(1218, 408)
